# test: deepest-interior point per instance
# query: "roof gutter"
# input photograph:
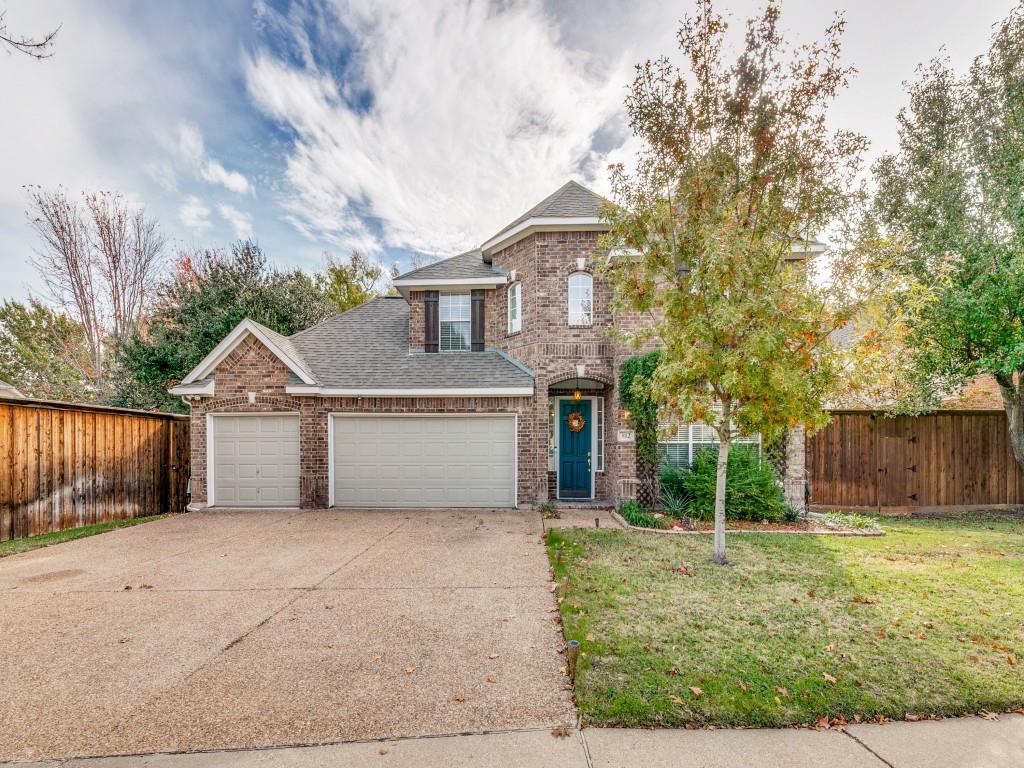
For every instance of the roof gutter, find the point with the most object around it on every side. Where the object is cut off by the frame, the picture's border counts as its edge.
(298, 389)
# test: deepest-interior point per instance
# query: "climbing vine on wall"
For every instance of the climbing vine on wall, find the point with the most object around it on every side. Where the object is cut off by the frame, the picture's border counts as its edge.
(634, 380)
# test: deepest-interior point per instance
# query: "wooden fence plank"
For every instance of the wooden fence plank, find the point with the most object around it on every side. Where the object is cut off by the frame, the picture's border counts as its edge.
(64, 466)
(946, 459)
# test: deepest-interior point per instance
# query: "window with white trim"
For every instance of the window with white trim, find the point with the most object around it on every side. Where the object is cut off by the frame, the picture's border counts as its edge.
(581, 299)
(599, 426)
(515, 308)
(455, 319)
(689, 439)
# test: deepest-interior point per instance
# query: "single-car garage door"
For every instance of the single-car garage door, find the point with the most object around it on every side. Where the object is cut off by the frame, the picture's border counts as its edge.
(255, 460)
(424, 461)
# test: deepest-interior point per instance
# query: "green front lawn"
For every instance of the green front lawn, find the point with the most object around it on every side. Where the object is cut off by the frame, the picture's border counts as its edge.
(15, 546)
(928, 619)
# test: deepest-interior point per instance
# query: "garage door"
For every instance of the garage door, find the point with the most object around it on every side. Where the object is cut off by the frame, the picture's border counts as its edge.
(255, 461)
(429, 461)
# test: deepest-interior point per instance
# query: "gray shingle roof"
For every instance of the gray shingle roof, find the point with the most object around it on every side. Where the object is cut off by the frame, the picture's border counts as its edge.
(569, 201)
(286, 346)
(368, 348)
(7, 390)
(468, 264)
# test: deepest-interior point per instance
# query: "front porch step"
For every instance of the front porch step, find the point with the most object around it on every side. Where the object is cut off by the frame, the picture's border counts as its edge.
(585, 504)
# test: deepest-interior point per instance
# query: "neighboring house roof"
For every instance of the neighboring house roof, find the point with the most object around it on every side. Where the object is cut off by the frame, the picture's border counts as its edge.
(982, 393)
(366, 350)
(7, 390)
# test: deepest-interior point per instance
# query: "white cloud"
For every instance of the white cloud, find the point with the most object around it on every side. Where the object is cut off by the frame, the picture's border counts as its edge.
(240, 221)
(478, 112)
(194, 215)
(193, 149)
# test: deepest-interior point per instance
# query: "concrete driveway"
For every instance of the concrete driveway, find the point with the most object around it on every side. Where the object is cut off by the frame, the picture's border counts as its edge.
(256, 628)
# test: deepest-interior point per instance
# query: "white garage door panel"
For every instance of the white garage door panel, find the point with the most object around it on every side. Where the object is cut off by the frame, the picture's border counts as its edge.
(256, 460)
(442, 461)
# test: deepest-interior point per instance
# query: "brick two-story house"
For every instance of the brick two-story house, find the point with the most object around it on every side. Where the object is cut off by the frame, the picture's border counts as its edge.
(490, 381)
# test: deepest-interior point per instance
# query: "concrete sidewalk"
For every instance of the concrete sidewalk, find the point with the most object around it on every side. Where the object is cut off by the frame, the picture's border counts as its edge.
(959, 743)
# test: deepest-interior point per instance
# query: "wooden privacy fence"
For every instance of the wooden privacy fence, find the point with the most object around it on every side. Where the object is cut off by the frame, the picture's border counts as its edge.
(944, 459)
(64, 465)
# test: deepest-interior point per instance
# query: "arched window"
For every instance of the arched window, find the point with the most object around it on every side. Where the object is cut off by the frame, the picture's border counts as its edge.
(581, 299)
(515, 308)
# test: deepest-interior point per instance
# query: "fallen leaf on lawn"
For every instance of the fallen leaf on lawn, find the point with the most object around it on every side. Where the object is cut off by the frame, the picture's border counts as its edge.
(986, 715)
(782, 691)
(410, 670)
(796, 600)
(823, 722)
(863, 600)
(696, 691)
(1001, 647)
(778, 700)
(811, 593)
(672, 671)
(880, 634)
(590, 637)
(911, 718)
(554, 586)
(831, 647)
(828, 677)
(676, 700)
(744, 686)
(1011, 660)
(975, 658)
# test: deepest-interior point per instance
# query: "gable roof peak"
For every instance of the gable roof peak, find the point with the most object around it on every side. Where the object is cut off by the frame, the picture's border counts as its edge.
(571, 205)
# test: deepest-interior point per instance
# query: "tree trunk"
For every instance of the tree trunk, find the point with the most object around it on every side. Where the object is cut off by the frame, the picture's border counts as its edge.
(724, 441)
(1013, 402)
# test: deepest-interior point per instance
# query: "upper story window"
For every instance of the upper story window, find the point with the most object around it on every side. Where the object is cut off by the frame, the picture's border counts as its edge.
(455, 319)
(581, 299)
(515, 308)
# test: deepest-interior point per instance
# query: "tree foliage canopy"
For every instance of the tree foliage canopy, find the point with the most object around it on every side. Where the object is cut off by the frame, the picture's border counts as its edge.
(952, 200)
(44, 352)
(208, 295)
(739, 168)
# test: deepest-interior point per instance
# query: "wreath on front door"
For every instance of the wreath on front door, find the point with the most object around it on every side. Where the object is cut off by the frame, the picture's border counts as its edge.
(576, 422)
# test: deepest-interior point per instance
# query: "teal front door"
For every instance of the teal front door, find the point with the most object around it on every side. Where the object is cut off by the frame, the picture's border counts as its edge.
(574, 466)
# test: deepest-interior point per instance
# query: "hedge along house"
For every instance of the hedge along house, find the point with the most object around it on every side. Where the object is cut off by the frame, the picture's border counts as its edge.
(490, 381)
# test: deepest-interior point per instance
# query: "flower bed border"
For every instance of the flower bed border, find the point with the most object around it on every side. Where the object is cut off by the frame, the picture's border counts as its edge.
(621, 521)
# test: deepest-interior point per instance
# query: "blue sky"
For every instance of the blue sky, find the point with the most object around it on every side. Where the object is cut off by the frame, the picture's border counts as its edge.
(396, 128)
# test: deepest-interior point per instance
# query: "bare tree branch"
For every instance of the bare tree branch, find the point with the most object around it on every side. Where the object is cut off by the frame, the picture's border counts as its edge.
(37, 48)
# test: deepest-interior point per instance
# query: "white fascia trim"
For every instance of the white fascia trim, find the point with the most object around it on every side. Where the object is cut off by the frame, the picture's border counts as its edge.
(442, 281)
(231, 341)
(457, 392)
(184, 390)
(523, 228)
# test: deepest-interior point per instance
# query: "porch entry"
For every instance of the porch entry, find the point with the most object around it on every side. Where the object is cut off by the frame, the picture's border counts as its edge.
(575, 465)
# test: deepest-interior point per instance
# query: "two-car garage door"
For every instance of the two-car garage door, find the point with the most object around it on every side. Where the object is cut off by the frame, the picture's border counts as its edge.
(376, 461)
(424, 461)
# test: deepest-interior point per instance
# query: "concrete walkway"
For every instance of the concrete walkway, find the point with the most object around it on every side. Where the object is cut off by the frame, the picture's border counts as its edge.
(960, 743)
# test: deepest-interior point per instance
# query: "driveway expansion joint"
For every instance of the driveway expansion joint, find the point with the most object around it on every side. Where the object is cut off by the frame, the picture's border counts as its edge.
(866, 747)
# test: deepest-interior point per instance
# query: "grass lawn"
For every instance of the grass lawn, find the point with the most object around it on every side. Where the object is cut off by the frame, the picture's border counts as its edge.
(928, 619)
(15, 546)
